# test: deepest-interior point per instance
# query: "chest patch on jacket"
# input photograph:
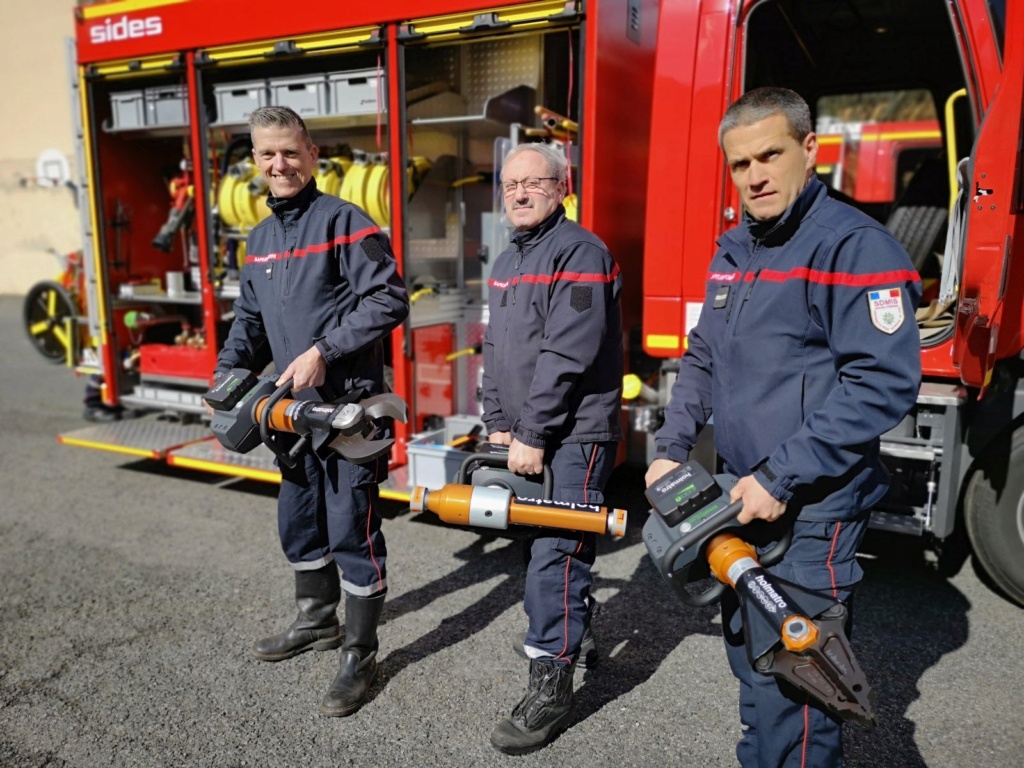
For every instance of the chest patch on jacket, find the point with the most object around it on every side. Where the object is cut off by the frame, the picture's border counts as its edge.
(886, 309)
(581, 298)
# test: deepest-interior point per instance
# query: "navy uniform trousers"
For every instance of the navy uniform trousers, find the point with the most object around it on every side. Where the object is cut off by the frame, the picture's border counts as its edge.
(558, 576)
(782, 727)
(328, 510)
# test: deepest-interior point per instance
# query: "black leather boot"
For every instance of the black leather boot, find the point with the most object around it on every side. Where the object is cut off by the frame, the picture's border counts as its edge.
(316, 628)
(547, 709)
(358, 657)
(590, 656)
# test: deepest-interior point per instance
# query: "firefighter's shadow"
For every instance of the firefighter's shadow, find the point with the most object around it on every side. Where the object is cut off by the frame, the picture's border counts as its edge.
(636, 630)
(907, 616)
(484, 559)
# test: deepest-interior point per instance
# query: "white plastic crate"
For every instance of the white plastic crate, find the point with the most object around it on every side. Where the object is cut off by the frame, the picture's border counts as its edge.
(236, 100)
(356, 92)
(432, 462)
(307, 95)
(167, 105)
(127, 110)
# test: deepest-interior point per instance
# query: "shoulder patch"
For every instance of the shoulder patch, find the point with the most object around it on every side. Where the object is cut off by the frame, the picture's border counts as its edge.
(886, 309)
(581, 298)
(372, 248)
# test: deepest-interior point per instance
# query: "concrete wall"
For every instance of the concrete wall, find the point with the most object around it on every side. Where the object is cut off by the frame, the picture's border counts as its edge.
(36, 220)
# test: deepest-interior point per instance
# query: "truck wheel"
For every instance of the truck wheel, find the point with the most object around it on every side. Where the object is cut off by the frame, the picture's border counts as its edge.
(994, 515)
(918, 227)
(46, 311)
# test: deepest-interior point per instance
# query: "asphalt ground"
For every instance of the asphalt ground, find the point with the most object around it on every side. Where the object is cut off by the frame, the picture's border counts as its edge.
(130, 593)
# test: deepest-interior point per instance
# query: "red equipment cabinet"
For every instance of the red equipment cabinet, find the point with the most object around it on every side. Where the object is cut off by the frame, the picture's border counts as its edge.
(451, 85)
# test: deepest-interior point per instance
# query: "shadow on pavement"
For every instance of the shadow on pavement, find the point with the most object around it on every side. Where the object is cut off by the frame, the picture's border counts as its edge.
(907, 617)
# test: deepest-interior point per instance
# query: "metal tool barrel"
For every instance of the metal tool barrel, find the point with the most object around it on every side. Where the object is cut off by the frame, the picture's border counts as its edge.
(487, 507)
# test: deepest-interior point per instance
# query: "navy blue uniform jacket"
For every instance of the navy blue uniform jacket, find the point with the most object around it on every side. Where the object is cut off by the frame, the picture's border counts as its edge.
(806, 351)
(317, 271)
(553, 344)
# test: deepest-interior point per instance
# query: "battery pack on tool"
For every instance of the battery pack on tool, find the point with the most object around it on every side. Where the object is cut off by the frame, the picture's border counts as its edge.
(230, 388)
(681, 493)
(689, 504)
(237, 428)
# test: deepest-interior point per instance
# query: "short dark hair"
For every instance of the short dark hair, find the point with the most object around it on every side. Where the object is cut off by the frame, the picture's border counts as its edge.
(754, 106)
(277, 117)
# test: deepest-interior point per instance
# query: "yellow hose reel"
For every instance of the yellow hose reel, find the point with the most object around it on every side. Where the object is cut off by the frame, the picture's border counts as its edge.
(237, 176)
(242, 197)
(571, 203)
(366, 183)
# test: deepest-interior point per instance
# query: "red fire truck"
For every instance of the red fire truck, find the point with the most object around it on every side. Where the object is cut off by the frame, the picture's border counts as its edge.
(413, 105)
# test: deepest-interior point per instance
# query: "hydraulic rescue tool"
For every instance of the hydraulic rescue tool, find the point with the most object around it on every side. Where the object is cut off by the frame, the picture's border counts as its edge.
(495, 498)
(250, 409)
(792, 633)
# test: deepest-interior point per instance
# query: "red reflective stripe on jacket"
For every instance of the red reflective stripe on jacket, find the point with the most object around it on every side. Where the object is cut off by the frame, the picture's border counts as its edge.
(837, 278)
(298, 253)
(572, 277)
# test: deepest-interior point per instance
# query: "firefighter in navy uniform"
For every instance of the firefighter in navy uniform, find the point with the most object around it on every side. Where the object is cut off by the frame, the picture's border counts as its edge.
(806, 352)
(552, 389)
(319, 292)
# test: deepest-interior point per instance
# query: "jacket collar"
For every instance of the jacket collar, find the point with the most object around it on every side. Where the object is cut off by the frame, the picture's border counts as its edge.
(290, 208)
(527, 239)
(778, 231)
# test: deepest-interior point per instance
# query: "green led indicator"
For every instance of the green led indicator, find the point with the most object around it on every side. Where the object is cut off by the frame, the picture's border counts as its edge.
(684, 492)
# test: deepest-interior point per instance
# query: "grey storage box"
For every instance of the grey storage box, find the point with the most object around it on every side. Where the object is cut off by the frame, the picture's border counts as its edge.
(127, 110)
(167, 105)
(432, 462)
(356, 92)
(236, 100)
(307, 95)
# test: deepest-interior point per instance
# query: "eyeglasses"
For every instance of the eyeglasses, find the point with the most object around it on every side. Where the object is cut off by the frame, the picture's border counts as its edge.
(532, 184)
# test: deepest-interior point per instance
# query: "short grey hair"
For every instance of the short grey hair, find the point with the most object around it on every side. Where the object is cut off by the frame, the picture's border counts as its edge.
(754, 106)
(558, 166)
(277, 117)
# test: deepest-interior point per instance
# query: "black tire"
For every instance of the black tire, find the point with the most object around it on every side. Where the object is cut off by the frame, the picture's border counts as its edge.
(994, 516)
(45, 313)
(918, 228)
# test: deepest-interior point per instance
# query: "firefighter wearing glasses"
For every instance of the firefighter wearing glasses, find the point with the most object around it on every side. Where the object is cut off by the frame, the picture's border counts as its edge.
(552, 387)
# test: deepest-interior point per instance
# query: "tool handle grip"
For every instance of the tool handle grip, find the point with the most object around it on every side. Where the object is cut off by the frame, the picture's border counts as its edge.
(290, 458)
(499, 460)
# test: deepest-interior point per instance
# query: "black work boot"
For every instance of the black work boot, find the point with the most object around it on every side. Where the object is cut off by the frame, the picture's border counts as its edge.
(358, 657)
(316, 628)
(590, 656)
(547, 709)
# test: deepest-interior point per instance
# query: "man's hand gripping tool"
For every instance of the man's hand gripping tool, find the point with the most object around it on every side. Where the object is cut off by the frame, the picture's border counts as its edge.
(249, 410)
(792, 633)
(496, 505)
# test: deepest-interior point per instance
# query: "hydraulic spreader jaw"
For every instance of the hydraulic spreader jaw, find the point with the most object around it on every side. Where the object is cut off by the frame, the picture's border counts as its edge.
(793, 633)
(790, 632)
(827, 670)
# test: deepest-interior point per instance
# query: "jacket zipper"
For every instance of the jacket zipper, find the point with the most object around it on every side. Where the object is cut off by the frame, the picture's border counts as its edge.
(750, 288)
(515, 267)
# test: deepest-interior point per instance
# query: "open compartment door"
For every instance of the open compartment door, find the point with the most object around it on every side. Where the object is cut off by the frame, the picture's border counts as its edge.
(988, 325)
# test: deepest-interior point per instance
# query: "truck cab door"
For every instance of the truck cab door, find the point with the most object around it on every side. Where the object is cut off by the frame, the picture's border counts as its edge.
(988, 324)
